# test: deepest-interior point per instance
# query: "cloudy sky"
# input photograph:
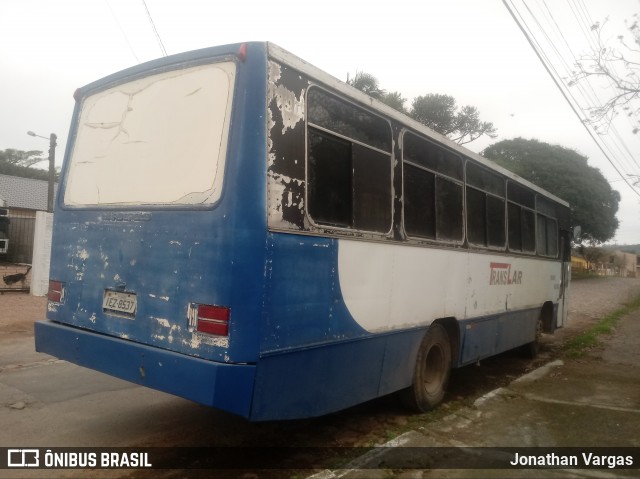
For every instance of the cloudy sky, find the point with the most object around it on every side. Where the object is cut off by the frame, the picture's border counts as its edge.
(470, 49)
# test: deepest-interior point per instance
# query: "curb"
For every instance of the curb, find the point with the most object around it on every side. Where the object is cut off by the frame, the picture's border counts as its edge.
(461, 419)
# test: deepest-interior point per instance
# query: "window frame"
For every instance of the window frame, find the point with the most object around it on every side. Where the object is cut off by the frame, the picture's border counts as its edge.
(327, 132)
(544, 209)
(522, 207)
(436, 174)
(487, 246)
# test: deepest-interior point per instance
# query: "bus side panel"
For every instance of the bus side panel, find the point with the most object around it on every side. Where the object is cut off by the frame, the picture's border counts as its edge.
(392, 286)
(321, 380)
(400, 360)
(303, 304)
(327, 297)
(316, 381)
(310, 339)
(488, 336)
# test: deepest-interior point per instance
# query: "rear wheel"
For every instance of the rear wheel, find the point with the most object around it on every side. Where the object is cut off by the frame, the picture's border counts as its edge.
(432, 370)
(531, 350)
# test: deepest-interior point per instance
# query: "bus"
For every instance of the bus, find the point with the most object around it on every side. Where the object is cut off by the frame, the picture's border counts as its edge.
(236, 227)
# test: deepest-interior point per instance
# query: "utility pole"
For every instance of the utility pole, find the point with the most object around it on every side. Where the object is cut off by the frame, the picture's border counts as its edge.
(52, 166)
(52, 170)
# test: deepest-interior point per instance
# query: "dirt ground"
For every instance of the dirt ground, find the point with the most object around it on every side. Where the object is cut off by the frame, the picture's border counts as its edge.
(18, 311)
(591, 299)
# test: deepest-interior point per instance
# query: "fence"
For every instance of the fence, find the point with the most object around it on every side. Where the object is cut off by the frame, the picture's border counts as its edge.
(19, 242)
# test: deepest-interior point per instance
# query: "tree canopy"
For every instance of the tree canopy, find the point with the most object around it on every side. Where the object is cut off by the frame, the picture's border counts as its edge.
(367, 83)
(436, 111)
(566, 174)
(440, 113)
(20, 163)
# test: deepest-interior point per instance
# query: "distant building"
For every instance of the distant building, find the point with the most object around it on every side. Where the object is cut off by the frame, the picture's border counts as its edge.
(624, 263)
(578, 263)
(22, 198)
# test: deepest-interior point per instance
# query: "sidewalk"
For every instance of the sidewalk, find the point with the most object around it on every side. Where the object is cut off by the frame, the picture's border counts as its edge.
(583, 403)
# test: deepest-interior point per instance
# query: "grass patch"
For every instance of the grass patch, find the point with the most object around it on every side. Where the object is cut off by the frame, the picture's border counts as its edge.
(578, 346)
(579, 275)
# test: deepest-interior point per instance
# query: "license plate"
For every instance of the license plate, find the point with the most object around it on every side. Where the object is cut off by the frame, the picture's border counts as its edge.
(117, 302)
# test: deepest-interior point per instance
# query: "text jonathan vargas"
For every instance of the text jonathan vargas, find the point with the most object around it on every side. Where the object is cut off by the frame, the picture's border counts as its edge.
(585, 459)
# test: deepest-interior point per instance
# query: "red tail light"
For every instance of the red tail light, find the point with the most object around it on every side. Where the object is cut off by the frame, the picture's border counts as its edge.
(56, 291)
(209, 319)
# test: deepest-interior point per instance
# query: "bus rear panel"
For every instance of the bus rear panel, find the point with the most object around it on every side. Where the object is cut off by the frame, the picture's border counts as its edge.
(150, 280)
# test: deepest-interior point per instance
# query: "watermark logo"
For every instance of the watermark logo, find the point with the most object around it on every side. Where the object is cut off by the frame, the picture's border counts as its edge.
(74, 458)
(23, 457)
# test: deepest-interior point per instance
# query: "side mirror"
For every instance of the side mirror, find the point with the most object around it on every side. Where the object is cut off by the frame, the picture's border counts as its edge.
(577, 232)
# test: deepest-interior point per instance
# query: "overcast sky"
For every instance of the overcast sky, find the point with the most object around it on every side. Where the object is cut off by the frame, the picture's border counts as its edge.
(470, 49)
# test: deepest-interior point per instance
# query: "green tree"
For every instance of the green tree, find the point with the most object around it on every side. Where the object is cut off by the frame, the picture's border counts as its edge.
(436, 111)
(395, 101)
(440, 113)
(566, 174)
(20, 163)
(592, 254)
(367, 83)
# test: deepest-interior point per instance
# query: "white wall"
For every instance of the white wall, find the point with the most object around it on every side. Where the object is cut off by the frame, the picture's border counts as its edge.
(41, 253)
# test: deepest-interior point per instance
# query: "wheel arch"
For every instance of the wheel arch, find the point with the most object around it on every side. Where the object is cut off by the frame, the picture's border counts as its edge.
(452, 328)
(548, 316)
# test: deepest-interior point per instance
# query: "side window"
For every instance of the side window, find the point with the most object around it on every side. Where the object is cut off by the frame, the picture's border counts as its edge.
(521, 226)
(330, 179)
(419, 202)
(433, 189)
(485, 207)
(547, 228)
(348, 165)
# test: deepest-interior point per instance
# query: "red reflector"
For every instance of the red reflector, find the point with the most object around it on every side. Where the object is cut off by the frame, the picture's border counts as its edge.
(242, 52)
(213, 320)
(206, 311)
(56, 291)
(213, 327)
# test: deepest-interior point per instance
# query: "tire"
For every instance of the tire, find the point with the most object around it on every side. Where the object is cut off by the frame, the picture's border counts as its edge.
(432, 371)
(531, 350)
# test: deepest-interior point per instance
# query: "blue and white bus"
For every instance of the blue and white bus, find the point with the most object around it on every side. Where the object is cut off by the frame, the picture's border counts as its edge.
(237, 227)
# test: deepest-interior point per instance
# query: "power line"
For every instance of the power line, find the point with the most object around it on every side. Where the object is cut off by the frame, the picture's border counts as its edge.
(155, 30)
(126, 38)
(590, 98)
(583, 20)
(547, 64)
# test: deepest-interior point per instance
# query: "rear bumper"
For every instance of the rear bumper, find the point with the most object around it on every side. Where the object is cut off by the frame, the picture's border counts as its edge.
(220, 385)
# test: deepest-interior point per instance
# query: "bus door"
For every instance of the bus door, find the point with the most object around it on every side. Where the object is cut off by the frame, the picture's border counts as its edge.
(563, 300)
